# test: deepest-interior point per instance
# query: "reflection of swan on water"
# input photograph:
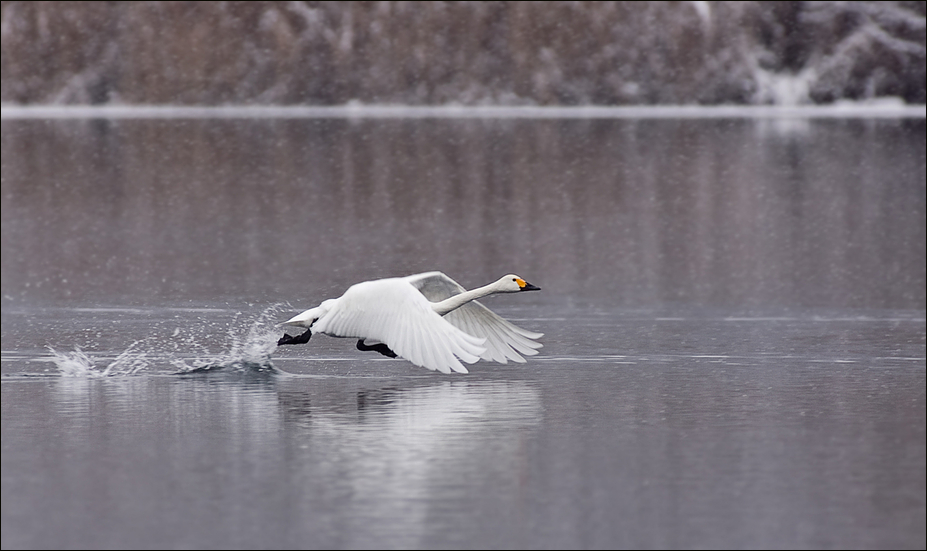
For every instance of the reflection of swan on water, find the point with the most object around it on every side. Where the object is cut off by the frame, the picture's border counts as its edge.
(378, 458)
(428, 319)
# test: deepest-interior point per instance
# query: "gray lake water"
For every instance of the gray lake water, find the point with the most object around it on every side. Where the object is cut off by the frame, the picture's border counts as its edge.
(733, 309)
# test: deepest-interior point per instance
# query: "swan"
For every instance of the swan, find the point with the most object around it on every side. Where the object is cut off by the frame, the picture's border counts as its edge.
(429, 319)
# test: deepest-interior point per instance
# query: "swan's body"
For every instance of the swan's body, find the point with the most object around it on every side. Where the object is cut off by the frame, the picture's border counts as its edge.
(428, 319)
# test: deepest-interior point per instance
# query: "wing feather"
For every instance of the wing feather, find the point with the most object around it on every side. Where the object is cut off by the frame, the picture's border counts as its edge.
(504, 340)
(393, 312)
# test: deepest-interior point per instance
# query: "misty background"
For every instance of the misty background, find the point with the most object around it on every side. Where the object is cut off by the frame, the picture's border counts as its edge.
(474, 53)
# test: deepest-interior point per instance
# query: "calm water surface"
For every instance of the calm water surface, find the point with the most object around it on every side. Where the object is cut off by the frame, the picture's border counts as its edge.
(734, 319)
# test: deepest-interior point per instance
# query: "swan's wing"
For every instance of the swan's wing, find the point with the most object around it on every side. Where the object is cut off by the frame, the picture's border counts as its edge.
(504, 340)
(392, 312)
(436, 286)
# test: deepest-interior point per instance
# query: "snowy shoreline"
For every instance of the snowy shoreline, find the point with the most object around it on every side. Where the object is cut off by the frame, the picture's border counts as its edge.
(883, 108)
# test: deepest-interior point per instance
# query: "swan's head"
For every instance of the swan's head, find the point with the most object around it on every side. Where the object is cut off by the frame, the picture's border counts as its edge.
(514, 284)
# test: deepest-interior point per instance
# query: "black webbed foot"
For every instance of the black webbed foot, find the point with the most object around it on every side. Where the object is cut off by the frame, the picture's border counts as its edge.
(301, 339)
(379, 347)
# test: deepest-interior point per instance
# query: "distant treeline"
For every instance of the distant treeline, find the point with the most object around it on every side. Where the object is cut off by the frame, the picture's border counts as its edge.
(510, 53)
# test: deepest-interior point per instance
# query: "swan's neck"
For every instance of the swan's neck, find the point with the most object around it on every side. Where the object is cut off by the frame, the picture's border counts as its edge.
(456, 301)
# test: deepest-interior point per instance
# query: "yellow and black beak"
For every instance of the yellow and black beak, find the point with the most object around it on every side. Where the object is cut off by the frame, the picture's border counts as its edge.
(525, 286)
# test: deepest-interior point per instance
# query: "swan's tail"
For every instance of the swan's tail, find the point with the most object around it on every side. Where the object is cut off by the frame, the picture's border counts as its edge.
(303, 320)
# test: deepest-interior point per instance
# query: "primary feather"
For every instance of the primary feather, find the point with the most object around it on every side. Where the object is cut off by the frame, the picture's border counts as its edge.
(504, 340)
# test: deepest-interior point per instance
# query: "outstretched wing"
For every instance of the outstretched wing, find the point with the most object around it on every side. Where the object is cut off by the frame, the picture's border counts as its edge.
(392, 312)
(504, 340)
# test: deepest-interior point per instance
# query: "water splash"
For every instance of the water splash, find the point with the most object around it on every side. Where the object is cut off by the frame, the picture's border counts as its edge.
(80, 364)
(248, 352)
(248, 347)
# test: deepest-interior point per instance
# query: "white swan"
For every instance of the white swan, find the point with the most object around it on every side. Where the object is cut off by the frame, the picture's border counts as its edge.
(428, 319)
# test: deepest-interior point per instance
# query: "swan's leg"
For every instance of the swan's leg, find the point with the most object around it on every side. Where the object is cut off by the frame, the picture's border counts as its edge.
(302, 339)
(379, 347)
